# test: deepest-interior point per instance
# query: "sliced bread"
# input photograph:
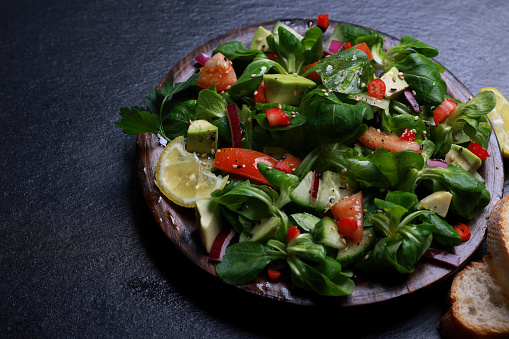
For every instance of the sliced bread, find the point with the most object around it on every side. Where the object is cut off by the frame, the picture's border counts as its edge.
(498, 240)
(479, 294)
(479, 310)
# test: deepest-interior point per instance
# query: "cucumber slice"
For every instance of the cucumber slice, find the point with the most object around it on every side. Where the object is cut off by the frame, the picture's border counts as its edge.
(354, 251)
(326, 232)
(305, 220)
(332, 188)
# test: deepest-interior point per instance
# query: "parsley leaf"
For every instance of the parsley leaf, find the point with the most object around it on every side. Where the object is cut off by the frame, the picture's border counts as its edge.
(137, 120)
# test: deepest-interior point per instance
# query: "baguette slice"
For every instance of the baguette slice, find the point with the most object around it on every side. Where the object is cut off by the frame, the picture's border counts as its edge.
(479, 309)
(498, 240)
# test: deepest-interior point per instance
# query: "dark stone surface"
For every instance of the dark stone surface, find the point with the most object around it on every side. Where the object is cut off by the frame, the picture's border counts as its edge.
(81, 255)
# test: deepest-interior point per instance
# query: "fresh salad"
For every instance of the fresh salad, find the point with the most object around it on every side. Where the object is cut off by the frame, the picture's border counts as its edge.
(323, 152)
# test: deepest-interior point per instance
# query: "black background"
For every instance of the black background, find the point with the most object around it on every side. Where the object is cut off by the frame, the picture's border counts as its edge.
(81, 255)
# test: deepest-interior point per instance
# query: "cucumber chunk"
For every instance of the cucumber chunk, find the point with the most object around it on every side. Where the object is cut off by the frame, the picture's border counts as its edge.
(354, 251)
(326, 232)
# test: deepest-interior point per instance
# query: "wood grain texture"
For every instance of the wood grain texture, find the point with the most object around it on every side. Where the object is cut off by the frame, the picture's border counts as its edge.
(179, 224)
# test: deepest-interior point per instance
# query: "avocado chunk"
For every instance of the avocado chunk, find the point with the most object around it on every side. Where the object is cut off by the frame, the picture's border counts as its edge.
(438, 202)
(286, 88)
(201, 137)
(393, 83)
(209, 218)
(260, 40)
(265, 230)
(463, 157)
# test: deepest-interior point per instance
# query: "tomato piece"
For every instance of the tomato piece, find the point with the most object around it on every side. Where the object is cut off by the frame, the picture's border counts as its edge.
(288, 163)
(273, 274)
(277, 117)
(272, 56)
(293, 231)
(347, 227)
(312, 75)
(217, 70)
(374, 139)
(463, 230)
(478, 150)
(259, 95)
(407, 135)
(350, 207)
(323, 21)
(348, 45)
(376, 88)
(364, 47)
(243, 162)
(443, 111)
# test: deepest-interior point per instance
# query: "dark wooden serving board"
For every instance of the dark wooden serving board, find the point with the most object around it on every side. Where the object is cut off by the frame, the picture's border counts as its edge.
(179, 223)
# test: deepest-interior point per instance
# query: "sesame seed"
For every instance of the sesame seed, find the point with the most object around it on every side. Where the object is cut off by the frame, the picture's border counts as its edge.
(416, 118)
(212, 151)
(366, 257)
(229, 86)
(219, 150)
(363, 85)
(253, 75)
(324, 90)
(414, 93)
(234, 166)
(255, 92)
(357, 99)
(401, 77)
(452, 157)
(343, 170)
(394, 79)
(295, 92)
(248, 119)
(269, 167)
(279, 106)
(326, 94)
(204, 164)
(259, 40)
(243, 139)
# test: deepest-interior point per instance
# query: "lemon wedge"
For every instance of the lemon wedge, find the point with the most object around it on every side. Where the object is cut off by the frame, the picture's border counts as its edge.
(183, 177)
(499, 119)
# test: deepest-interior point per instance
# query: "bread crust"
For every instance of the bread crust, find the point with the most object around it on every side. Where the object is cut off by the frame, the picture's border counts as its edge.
(479, 294)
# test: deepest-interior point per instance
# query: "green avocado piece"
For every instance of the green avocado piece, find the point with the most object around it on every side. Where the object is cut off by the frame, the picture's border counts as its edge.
(201, 137)
(209, 218)
(260, 40)
(286, 88)
(438, 202)
(265, 230)
(463, 157)
(393, 83)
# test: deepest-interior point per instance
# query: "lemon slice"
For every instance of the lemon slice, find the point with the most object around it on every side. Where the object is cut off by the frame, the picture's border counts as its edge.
(499, 119)
(182, 177)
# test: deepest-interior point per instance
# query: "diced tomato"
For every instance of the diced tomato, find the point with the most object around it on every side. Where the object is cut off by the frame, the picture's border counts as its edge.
(443, 111)
(349, 209)
(277, 117)
(408, 135)
(376, 88)
(288, 163)
(347, 226)
(243, 162)
(312, 75)
(323, 21)
(293, 231)
(463, 230)
(478, 150)
(273, 274)
(272, 56)
(259, 96)
(364, 47)
(348, 45)
(374, 139)
(217, 70)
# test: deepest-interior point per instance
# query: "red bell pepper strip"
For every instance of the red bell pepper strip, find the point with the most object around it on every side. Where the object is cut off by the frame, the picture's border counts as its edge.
(273, 274)
(292, 233)
(364, 47)
(288, 163)
(277, 117)
(443, 111)
(478, 150)
(243, 162)
(463, 230)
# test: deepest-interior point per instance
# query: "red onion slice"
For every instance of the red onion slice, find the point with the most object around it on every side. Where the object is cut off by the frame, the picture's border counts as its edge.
(412, 101)
(442, 256)
(333, 47)
(220, 244)
(436, 163)
(313, 194)
(233, 119)
(202, 58)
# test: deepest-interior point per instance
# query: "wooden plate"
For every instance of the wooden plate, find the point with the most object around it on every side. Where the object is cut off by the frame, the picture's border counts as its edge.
(180, 225)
